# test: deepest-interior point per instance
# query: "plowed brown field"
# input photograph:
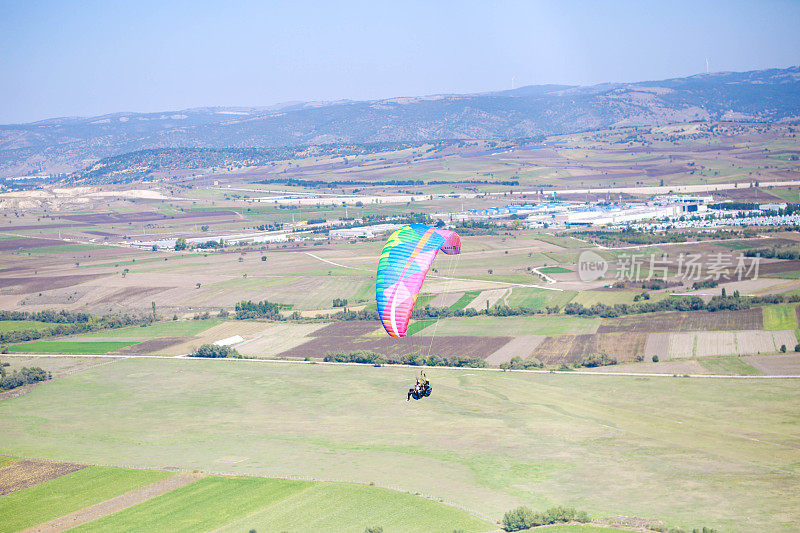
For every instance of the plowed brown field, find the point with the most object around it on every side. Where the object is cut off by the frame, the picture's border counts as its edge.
(686, 321)
(27, 473)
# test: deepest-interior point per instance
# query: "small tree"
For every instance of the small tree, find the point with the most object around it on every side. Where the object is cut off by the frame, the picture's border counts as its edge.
(180, 244)
(519, 518)
(215, 352)
(783, 348)
(655, 359)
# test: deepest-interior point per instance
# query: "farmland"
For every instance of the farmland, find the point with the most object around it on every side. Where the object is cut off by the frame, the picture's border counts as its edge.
(184, 328)
(19, 325)
(70, 347)
(295, 445)
(487, 441)
(67, 493)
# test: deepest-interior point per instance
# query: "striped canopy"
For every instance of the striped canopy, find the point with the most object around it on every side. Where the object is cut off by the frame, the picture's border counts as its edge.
(404, 262)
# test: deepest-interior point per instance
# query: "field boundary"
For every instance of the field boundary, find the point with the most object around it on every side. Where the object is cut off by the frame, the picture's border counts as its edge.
(300, 362)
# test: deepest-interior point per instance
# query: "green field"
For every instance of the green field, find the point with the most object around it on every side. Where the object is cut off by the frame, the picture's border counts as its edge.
(422, 300)
(564, 242)
(555, 270)
(247, 503)
(734, 245)
(789, 195)
(516, 326)
(780, 317)
(69, 347)
(63, 249)
(533, 298)
(465, 300)
(65, 494)
(488, 441)
(22, 325)
(728, 365)
(418, 325)
(783, 275)
(182, 328)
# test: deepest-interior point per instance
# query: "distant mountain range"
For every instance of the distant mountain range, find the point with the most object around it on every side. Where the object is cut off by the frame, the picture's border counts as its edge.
(68, 144)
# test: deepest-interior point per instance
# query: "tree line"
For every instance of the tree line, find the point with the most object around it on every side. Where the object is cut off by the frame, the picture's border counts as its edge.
(722, 302)
(414, 359)
(66, 323)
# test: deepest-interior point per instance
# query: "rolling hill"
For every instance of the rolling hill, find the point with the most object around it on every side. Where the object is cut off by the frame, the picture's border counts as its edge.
(68, 144)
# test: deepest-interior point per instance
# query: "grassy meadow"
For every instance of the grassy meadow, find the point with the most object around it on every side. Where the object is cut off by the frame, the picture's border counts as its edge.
(99, 347)
(487, 441)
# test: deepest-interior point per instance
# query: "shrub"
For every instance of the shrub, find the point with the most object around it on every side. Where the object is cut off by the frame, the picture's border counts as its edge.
(25, 376)
(214, 351)
(374, 529)
(524, 518)
(655, 359)
(783, 348)
(519, 518)
(596, 359)
(797, 348)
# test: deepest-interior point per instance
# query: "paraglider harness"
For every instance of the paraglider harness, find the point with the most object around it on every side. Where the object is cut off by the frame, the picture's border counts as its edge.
(422, 389)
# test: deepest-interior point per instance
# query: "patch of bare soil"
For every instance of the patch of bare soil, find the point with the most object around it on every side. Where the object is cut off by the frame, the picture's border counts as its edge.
(129, 293)
(129, 499)
(23, 244)
(40, 226)
(23, 285)
(554, 350)
(346, 329)
(27, 473)
(778, 267)
(776, 365)
(521, 347)
(620, 346)
(685, 321)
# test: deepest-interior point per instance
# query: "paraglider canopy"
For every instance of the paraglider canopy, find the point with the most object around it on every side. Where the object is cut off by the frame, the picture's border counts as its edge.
(403, 265)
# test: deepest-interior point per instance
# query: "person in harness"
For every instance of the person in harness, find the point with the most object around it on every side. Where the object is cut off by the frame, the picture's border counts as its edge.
(421, 388)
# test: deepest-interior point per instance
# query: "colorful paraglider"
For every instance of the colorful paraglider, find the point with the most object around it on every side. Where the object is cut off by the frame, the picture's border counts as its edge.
(406, 258)
(404, 262)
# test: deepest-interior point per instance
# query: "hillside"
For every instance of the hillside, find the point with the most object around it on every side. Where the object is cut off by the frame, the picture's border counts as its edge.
(68, 144)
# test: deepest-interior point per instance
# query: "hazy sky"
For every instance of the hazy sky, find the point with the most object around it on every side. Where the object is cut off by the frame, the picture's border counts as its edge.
(70, 58)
